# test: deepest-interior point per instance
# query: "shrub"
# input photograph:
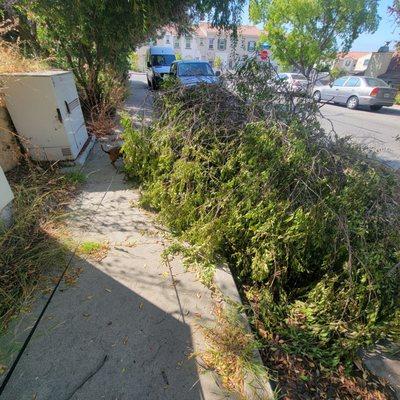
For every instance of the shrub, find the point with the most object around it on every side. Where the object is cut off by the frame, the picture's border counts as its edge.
(308, 223)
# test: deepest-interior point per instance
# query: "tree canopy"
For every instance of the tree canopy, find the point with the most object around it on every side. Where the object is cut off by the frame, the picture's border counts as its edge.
(95, 37)
(307, 33)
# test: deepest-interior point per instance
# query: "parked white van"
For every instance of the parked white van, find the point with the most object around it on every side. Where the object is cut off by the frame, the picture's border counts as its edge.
(158, 61)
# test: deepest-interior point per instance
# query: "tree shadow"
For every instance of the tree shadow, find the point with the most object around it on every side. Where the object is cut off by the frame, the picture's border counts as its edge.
(100, 339)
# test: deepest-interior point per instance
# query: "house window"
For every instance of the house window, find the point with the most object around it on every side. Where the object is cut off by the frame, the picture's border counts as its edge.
(366, 61)
(201, 42)
(167, 39)
(188, 43)
(211, 43)
(176, 43)
(347, 63)
(221, 44)
(251, 45)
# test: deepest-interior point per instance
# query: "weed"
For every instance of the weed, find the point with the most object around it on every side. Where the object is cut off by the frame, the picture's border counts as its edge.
(230, 351)
(75, 177)
(193, 261)
(30, 249)
(94, 250)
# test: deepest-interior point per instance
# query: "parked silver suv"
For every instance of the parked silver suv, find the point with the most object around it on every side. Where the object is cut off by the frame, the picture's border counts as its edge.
(357, 91)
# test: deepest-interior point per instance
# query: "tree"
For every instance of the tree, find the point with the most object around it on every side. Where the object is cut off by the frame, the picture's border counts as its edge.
(395, 10)
(306, 33)
(95, 37)
(218, 62)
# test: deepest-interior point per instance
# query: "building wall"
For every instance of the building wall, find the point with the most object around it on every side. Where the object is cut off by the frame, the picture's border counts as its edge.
(197, 47)
(362, 63)
(345, 64)
(379, 63)
(9, 150)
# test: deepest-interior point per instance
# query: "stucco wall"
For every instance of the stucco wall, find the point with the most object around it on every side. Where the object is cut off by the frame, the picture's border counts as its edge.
(9, 150)
(379, 63)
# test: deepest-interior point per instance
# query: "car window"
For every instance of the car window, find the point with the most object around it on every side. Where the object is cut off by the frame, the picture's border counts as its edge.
(161, 60)
(282, 76)
(195, 69)
(299, 76)
(353, 82)
(376, 82)
(340, 81)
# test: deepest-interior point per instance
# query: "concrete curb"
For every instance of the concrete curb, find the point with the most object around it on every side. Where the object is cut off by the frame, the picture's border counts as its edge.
(256, 387)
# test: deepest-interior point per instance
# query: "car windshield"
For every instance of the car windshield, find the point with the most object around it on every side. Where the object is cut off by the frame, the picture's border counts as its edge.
(195, 69)
(376, 82)
(161, 60)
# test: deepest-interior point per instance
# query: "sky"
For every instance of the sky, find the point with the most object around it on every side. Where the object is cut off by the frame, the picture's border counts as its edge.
(365, 42)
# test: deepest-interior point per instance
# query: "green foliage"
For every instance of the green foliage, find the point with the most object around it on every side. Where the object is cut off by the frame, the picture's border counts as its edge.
(307, 222)
(178, 56)
(134, 61)
(95, 37)
(218, 62)
(336, 72)
(397, 99)
(75, 177)
(305, 33)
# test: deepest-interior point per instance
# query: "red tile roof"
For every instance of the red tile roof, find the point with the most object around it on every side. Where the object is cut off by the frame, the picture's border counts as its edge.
(203, 29)
(355, 55)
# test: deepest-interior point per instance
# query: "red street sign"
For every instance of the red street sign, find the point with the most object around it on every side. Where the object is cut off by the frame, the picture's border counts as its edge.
(264, 54)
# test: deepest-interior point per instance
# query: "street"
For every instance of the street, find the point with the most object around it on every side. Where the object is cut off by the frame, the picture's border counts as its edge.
(377, 130)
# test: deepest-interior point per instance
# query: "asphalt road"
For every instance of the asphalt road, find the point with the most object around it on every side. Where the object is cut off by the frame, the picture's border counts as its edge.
(376, 130)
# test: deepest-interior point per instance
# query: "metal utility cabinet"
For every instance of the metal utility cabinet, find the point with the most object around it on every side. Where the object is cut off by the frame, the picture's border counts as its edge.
(45, 109)
(6, 196)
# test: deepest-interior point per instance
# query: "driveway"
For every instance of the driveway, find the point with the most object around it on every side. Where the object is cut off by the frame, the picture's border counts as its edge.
(377, 130)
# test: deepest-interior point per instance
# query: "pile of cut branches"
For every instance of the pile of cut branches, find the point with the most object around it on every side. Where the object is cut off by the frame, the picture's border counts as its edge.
(309, 223)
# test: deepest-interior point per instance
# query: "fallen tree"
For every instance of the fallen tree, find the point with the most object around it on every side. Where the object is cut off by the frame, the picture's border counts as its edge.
(308, 222)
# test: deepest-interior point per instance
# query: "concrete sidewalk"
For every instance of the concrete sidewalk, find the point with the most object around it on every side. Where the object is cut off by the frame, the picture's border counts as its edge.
(127, 328)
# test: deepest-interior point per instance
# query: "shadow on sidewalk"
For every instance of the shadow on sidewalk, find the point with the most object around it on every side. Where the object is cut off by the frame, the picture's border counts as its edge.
(100, 340)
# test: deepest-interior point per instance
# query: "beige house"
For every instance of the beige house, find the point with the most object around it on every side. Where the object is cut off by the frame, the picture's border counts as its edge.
(353, 61)
(379, 63)
(207, 43)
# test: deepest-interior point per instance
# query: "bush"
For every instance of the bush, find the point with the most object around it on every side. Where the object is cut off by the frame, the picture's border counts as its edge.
(308, 223)
(134, 62)
(397, 99)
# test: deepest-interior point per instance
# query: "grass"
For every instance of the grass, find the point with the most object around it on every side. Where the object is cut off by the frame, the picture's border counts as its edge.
(75, 177)
(13, 61)
(230, 352)
(94, 250)
(31, 250)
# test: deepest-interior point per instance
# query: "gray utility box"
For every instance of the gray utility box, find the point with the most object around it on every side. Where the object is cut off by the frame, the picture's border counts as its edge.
(45, 109)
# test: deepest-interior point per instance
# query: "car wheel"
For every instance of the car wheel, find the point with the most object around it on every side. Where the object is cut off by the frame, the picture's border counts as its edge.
(317, 96)
(375, 108)
(352, 102)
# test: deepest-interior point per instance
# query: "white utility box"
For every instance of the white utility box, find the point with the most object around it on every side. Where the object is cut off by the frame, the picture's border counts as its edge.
(45, 109)
(6, 196)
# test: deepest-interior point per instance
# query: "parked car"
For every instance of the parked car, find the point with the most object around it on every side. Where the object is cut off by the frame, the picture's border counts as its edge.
(158, 61)
(294, 82)
(190, 73)
(354, 91)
